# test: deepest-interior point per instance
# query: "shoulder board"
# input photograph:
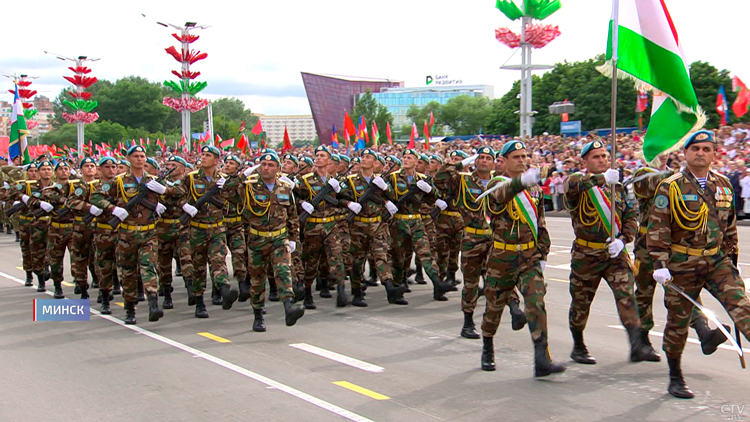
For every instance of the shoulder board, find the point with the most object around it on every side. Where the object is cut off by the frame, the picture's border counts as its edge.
(720, 176)
(94, 181)
(285, 184)
(396, 172)
(307, 175)
(673, 178)
(223, 175)
(119, 176)
(52, 186)
(193, 172)
(643, 170)
(28, 182)
(467, 173)
(74, 181)
(421, 175)
(352, 176)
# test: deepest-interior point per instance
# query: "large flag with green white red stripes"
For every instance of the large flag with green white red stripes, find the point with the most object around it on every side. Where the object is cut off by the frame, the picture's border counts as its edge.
(18, 132)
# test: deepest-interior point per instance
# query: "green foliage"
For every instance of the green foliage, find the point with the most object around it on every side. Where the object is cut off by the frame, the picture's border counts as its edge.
(465, 115)
(374, 112)
(706, 80)
(419, 115)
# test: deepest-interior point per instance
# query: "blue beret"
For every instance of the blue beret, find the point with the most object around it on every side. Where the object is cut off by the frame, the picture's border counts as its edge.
(271, 156)
(309, 161)
(152, 162)
(234, 158)
(107, 160)
(212, 149)
(411, 151)
(437, 158)
(32, 166)
(124, 163)
(393, 159)
(85, 161)
(459, 153)
(381, 159)
(370, 151)
(345, 158)
(700, 136)
(61, 164)
(591, 145)
(135, 148)
(487, 150)
(335, 157)
(511, 146)
(291, 157)
(356, 160)
(179, 160)
(424, 157)
(323, 148)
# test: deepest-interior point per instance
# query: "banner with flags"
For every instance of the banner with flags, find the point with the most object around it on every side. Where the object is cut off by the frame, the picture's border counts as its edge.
(375, 135)
(722, 106)
(18, 131)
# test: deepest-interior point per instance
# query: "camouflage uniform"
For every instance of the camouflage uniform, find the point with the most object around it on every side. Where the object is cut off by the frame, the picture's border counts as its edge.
(169, 232)
(233, 210)
(33, 231)
(82, 253)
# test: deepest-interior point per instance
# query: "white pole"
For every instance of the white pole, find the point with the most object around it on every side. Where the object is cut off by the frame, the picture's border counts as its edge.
(79, 128)
(613, 152)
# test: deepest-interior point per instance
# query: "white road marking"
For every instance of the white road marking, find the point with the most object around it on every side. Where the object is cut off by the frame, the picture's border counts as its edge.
(559, 267)
(346, 360)
(228, 365)
(690, 340)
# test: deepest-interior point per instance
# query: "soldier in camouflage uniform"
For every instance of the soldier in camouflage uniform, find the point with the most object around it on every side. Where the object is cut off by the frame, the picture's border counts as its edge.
(519, 254)
(450, 228)
(407, 227)
(136, 248)
(15, 177)
(692, 239)
(595, 255)
(429, 229)
(82, 253)
(233, 210)
(207, 232)
(368, 230)
(273, 234)
(60, 232)
(476, 244)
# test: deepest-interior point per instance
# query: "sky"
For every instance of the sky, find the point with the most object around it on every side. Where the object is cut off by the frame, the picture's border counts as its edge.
(257, 50)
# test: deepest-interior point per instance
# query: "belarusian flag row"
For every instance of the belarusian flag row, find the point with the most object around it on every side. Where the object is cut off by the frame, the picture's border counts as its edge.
(363, 136)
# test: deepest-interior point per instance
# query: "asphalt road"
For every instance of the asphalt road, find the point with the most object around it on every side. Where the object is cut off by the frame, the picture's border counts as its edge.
(381, 363)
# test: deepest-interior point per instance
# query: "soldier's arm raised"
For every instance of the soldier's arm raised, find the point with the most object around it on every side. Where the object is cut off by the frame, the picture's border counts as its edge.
(447, 179)
(659, 237)
(577, 183)
(506, 190)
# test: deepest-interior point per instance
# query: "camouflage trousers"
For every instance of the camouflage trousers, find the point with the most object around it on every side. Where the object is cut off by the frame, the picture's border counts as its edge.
(25, 237)
(369, 238)
(264, 252)
(58, 240)
(167, 237)
(407, 237)
(505, 271)
(105, 242)
(184, 252)
(238, 248)
(431, 234)
(82, 252)
(716, 274)
(38, 244)
(322, 244)
(342, 227)
(475, 250)
(450, 231)
(136, 255)
(209, 247)
(587, 267)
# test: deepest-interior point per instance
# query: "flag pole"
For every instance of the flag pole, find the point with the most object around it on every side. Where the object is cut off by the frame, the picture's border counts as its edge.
(613, 149)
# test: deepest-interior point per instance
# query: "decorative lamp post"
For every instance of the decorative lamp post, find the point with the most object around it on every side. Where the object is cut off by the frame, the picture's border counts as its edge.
(186, 103)
(532, 36)
(26, 94)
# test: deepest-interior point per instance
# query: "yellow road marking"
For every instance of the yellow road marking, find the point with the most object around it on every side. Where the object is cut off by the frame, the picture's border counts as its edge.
(65, 283)
(215, 338)
(120, 304)
(19, 268)
(361, 390)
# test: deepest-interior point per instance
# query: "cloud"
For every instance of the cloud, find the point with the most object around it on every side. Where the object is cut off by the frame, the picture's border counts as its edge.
(229, 87)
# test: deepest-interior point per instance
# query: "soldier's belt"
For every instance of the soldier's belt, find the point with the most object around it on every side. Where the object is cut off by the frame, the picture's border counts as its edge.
(268, 234)
(472, 230)
(425, 216)
(518, 247)
(643, 230)
(79, 219)
(62, 225)
(407, 216)
(206, 226)
(23, 217)
(137, 228)
(47, 218)
(367, 220)
(451, 213)
(169, 220)
(592, 245)
(320, 220)
(104, 226)
(232, 220)
(694, 252)
(339, 217)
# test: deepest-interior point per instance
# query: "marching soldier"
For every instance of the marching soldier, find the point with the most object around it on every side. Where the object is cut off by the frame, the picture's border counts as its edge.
(598, 254)
(519, 254)
(450, 229)
(692, 239)
(82, 252)
(136, 248)
(32, 231)
(233, 210)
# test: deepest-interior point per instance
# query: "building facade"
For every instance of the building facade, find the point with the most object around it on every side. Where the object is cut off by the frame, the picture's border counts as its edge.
(300, 127)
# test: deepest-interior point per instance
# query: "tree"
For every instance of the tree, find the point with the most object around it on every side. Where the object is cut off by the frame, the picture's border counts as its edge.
(133, 102)
(419, 115)
(373, 111)
(466, 115)
(706, 81)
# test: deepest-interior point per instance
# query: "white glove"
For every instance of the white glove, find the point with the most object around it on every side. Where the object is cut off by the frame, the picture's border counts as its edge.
(391, 207)
(379, 182)
(155, 186)
(160, 208)
(72, 172)
(424, 186)
(308, 207)
(615, 247)
(544, 265)
(355, 207)
(662, 275)
(530, 177)
(120, 213)
(220, 182)
(16, 202)
(335, 184)
(248, 171)
(190, 209)
(25, 199)
(441, 204)
(95, 211)
(46, 206)
(292, 246)
(612, 176)
(287, 180)
(6, 185)
(469, 161)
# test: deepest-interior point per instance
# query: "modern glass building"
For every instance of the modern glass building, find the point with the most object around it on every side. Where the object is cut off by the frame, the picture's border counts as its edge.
(398, 100)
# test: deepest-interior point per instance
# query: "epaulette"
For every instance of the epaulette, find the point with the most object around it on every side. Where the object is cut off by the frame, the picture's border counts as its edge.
(396, 172)
(420, 174)
(286, 184)
(193, 172)
(308, 175)
(673, 178)
(721, 176)
(643, 170)
(466, 173)
(252, 179)
(119, 175)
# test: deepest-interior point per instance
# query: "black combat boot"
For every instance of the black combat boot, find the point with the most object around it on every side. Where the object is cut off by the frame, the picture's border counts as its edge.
(178, 268)
(18, 237)
(357, 299)
(319, 284)
(258, 325)
(29, 279)
(639, 351)
(58, 290)
(341, 298)
(116, 290)
(154, 312)
(469, 330)
(677, 386)
(543, 365)
(451, 279)
(325, 292)
(41, 283)
(168, 304)
(85, 291)
(77, 288)
(419, 278)
(130, 313)
(517, 316)
(273, 291)
(189, 287)
(244, 290)
(99, 298)
(299, 291)
(488, 354)
(94, 281)
(215, 294)
(292, 312)
(228, 296)
(439, 287)
(140, 297)
(200, 306)
(580, 353)
(105, 310)
(395, 294)
(309, 304)
(373, 281)
(710, 339)
(8, 229)
(651, 354)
